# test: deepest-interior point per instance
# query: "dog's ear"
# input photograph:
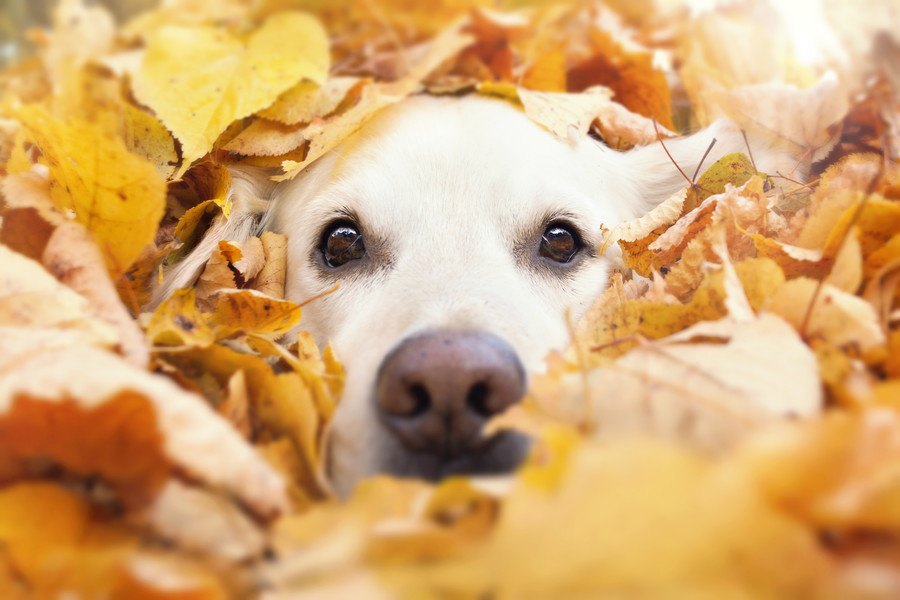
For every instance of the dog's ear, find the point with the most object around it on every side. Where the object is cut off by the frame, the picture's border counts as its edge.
(648, 175)
(250, 193)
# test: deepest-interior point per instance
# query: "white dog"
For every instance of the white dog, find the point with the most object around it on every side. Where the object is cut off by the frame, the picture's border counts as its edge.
(461, 233)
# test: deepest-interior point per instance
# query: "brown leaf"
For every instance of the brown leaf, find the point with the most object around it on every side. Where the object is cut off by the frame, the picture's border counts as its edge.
(143, 427)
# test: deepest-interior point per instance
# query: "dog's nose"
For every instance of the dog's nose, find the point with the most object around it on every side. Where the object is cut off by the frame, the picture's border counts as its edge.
(435, 391)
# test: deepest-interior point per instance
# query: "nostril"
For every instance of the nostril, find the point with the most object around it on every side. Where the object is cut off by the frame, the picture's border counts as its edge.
(421, 400)
(477, 400)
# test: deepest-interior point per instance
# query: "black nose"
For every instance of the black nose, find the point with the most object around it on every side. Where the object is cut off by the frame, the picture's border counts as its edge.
(435, 391)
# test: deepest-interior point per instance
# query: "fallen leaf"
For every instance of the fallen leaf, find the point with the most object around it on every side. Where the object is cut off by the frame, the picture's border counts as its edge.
(76, 261)
(308, 101)
(840, 473)
(227, 78)
(629, 73)
(557, 112)
(120, 207)
(80, 33)
(32, 298)
(600, 534)
(837, 317)
(144, 427)
(177, 321)
(805, 122)
(326, 134)
(205, 523)
(270, 279)
(266, 138)
(249, 311)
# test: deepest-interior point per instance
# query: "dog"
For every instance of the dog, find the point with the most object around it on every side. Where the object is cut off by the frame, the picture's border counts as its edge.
(462, 234)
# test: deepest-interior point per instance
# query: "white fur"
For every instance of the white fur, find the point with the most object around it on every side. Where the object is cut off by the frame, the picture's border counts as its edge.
(450, 184)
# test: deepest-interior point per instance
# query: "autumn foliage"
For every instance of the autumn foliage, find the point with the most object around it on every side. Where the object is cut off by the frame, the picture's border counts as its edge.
(178, 452)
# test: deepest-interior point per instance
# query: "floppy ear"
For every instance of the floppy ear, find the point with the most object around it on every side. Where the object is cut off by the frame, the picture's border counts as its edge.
(652, 176)
(250, 194)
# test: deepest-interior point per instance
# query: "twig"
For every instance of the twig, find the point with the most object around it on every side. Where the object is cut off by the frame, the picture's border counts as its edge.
(321, 295)
(613, 343)
(669, 154)
(690, 181)
(703, 158)
(792, 180)
(749, 151)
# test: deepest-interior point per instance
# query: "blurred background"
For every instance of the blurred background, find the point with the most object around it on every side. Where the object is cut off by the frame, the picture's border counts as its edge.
(17, 16)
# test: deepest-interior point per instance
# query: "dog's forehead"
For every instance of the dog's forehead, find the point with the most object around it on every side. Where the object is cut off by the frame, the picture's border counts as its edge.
(455, 155)
(468, 129)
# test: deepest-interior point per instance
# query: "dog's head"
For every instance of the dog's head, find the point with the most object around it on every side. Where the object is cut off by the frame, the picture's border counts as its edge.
(462, 237)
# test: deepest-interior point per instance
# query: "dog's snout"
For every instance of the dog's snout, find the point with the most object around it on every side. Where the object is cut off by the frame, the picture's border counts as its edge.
(435, 391)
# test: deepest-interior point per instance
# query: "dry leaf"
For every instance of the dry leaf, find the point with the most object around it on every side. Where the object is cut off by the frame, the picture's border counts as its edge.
(600, 533)
(805, 122)
(270, 279)
(120, 207)
(227, 78)
(31, 297)
(705, 385)
(837, 317)
(308, 101)
(73, 258)
(205, 523)
(266, 138)
(143, 427)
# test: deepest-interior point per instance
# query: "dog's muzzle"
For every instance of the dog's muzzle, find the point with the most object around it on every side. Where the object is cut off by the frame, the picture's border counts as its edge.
(435, 392)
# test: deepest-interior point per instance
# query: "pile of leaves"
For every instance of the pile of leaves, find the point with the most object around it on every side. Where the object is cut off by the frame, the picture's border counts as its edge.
(177, 452)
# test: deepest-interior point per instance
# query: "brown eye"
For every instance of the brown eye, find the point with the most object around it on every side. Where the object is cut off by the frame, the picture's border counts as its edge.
(342, 243)
(559, 243)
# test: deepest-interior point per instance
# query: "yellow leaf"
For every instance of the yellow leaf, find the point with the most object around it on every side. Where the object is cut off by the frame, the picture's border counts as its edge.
(249, 311)
(641, 516)
(94, 96)
(37, 519)
(206, 187)
(178, 322)
(145, 136)
(226, 78)
(840, 473)
(613, 324)
(326, 134)
(118, 196)
(282, 405)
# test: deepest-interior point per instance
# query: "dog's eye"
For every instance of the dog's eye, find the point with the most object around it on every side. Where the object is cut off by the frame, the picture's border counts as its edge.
(559, 243)
(342, 243)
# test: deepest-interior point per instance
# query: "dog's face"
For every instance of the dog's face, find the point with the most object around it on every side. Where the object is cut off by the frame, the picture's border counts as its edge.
(462, 238)
(456, 229)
